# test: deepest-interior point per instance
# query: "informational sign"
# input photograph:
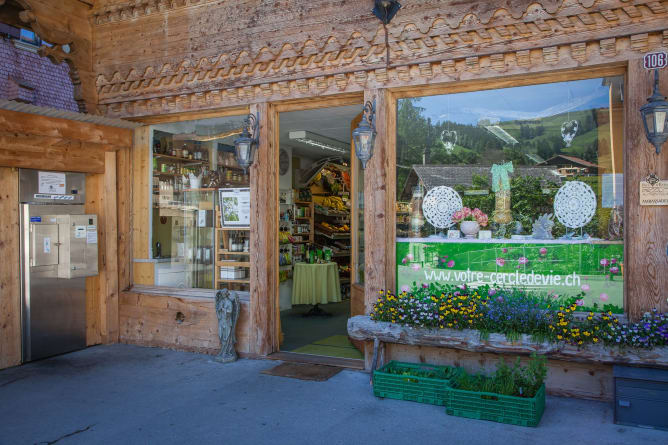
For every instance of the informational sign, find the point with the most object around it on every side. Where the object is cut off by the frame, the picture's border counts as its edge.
(80, 232)
(655, 60)
(47, 244)
(591, 272)
(50, 182)
(612, 190)
(653, 192)
(235, 207)
(54, 197)
(91, 235)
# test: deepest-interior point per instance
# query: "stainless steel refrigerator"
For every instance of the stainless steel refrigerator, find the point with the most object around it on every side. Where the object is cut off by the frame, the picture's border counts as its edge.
(59, 248)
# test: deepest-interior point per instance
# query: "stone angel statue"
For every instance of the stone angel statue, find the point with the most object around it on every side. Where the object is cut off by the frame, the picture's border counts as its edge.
(227, 310)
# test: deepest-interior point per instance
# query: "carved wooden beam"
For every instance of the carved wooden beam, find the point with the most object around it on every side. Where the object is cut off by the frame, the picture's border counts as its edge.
(65, 25)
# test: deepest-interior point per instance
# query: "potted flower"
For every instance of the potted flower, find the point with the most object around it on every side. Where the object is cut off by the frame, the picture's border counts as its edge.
(470, 221)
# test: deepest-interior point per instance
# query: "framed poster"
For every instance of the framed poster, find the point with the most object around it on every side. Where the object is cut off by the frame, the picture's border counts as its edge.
(234, 207)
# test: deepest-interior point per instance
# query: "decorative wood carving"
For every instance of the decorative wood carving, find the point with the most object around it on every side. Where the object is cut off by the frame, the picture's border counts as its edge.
(265, 55)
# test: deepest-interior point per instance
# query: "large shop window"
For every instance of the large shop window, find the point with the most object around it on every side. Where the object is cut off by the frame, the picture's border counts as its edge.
(539, 171)
(200, 217)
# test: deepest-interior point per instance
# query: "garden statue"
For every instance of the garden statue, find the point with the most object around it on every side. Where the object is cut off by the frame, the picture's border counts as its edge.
(501, 189)
(227, 310)
(542, 228)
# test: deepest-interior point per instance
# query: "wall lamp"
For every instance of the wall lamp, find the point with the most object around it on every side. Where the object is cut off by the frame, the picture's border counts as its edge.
(654, 114)
(246, 144)
(365, 133)
(385, 10)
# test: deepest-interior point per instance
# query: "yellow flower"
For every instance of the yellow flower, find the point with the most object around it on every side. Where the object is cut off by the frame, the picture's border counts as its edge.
(559, 337)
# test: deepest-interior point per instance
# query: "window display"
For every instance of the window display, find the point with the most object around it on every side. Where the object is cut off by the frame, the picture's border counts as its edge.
(196, 242)
(515, 187)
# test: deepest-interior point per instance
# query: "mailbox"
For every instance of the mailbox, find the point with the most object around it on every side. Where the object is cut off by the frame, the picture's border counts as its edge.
(67, 241)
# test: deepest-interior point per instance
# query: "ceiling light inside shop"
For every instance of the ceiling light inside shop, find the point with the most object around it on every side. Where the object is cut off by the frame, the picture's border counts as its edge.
(320, 141)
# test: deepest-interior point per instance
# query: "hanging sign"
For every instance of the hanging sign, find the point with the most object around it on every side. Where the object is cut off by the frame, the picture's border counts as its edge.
(235, 207)
(52, 183)
(655, 60)
(653, 192)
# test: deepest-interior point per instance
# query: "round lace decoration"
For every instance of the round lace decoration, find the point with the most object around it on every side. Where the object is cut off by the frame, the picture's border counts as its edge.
(575, 204)
(439, 205)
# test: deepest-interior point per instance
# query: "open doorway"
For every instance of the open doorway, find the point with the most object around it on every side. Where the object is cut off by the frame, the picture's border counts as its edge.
(319, 228)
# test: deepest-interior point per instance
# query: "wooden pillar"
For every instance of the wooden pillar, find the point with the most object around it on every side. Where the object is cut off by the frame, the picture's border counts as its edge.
(143, 273)
(379, 197)
(124, 214)
(95, 285)
(109, 287)
(10, 283)
(646, 227)
(264, 237)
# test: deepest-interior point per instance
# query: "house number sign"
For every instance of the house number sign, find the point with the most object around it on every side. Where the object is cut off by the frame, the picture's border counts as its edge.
(653, 191)
(655, 60)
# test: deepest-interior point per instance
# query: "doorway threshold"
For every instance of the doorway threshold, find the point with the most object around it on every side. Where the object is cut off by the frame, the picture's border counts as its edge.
(296, 357)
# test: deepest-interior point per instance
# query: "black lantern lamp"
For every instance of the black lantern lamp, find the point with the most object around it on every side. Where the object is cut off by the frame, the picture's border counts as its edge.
(365, 133)
(385, 10)
(245, 145)
(654, 114)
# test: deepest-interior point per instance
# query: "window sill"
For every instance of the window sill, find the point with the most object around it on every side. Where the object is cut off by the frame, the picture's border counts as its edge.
(192, 294)
(363, 328)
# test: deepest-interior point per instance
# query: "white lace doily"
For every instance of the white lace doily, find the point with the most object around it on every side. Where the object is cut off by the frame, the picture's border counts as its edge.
(439, 205)
(575, 204)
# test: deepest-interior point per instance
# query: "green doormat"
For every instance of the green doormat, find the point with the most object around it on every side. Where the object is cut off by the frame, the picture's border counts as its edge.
(334, 346)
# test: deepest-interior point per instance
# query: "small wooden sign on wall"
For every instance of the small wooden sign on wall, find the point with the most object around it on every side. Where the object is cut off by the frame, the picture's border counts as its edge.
(653, 191)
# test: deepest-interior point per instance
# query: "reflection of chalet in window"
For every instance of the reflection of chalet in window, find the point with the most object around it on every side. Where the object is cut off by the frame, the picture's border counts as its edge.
(568, 166)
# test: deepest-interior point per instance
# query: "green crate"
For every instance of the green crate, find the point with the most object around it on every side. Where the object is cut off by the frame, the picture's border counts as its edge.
(496, 407)
(411, 386)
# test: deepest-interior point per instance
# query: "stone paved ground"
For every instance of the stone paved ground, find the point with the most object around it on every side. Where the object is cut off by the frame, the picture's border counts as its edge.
(132, 395)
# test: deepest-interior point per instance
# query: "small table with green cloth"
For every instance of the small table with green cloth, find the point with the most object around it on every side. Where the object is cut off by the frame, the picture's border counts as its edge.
(316, 284)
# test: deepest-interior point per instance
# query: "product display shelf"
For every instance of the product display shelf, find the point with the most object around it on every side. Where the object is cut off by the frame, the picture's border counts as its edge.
(226, 258)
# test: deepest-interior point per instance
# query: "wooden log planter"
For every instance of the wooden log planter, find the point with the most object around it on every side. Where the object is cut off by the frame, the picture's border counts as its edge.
(363, 328)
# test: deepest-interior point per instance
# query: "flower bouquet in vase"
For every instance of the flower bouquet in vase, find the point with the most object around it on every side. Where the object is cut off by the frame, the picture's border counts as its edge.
(470, 221)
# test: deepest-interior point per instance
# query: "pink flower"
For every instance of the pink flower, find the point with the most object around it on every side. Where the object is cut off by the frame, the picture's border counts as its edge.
(543, 251)
(585, 287)
(451, 263)
(555, 296)
(483, 220)
(614, 270)
(500, 262)
(410, 257)
(425, 285)
(443, 260)
(404, 261)
(445, 256)
(523, 260)
(604, 262)
(603, 297)
(405, 288)
(504, 250)
(457, 294)
(613, 260)
(580, 302)
(462, 286)
(415, 267)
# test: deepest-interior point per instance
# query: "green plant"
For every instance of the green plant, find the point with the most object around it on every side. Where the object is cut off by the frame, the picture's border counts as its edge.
(515, 380)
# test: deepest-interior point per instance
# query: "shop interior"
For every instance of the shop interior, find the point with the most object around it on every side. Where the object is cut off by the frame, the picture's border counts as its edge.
(316, 197)
(196, 242)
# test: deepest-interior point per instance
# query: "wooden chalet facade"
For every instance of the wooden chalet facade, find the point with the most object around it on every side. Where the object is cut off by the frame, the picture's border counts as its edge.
(163, 61)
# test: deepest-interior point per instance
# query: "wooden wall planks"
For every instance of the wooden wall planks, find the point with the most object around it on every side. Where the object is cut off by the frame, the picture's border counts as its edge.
(10, 285)
(141, 197)
(95, 285)
(109, 287)
(646, 227)
(124, 180)
(151, 320)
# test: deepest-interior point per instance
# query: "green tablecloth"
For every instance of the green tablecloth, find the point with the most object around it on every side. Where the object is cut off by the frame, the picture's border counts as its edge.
(316, 283)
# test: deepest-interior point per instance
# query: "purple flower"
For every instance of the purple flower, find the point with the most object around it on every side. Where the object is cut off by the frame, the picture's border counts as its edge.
(451, 263)
(457, 294)
(462, 286)
(523, 260)
(604, 262)
(500, 262)
(405, 288)
(491, 292)
(580, 302)
(614, 270)
(613, 260)
(425, 285)
(403, 261)
(543, 251)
